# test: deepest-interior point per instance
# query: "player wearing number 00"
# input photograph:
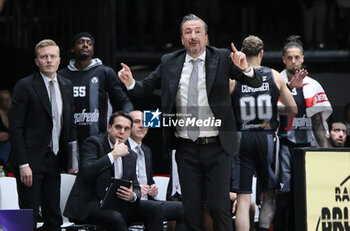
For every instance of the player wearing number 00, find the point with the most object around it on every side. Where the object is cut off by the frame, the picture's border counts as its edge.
(256, 114)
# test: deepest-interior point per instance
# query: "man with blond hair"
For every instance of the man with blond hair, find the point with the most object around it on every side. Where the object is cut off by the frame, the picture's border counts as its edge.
(41, 125)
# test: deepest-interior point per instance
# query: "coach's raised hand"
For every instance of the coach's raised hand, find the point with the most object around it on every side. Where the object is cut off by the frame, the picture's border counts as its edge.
(239, 58)
(125, 75)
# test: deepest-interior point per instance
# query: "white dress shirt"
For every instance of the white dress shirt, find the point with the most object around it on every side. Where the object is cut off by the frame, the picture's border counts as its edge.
(58, 97)
(118, 163)
(205, 111)
(203, 104)
(59, 103)
(118, 167)
(140, 165)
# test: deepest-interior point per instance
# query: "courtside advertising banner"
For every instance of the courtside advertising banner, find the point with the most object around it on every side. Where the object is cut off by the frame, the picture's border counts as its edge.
(327, 190)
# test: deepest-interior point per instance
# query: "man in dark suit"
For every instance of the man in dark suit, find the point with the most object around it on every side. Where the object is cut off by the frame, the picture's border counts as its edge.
(102, 157)
(172, 210)
(41, 125)
(195, 94)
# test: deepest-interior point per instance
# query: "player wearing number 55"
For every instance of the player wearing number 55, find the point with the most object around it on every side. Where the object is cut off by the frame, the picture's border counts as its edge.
(93, 85)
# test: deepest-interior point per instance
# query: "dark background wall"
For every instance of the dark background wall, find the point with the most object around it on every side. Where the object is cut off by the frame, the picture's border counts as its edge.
(138, 32)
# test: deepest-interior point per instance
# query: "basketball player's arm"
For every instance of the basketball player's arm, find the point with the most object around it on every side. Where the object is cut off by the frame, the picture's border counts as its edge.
(319, 130)
(286, 97)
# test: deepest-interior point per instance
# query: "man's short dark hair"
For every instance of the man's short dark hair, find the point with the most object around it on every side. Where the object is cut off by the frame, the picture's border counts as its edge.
(293, 41)
(120, 113)
(337, 121)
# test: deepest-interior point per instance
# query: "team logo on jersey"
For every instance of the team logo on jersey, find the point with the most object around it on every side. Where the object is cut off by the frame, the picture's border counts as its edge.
(94, 80)
(151, 118)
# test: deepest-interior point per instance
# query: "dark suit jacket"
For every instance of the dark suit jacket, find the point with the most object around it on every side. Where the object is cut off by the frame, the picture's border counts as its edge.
(148, 161)
(31, 121)
(219, 68)
(94, 177)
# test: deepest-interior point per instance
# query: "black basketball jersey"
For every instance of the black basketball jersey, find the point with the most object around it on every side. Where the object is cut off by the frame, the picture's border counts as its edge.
(297, 128)
(256, 108)
(91, 89)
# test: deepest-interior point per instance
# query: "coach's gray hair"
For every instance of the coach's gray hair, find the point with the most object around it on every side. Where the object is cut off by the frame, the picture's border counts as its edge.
(192, 17)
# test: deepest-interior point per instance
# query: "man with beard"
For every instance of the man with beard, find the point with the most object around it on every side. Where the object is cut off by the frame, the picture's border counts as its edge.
(299, 130)
(337, 134)
(194, 85)
(94, 85)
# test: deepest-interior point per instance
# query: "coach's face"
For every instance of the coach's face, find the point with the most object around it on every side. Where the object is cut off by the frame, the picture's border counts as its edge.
(194, 37)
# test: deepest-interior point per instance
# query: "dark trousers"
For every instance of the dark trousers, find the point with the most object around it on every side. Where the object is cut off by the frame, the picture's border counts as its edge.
(204, 172)
(44, 193)
(147, 212)
(173, 211)
(284, 212)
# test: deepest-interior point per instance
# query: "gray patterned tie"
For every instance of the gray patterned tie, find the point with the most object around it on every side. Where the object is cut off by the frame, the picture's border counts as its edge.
(141, 164)
(192, 100)
(55, 118)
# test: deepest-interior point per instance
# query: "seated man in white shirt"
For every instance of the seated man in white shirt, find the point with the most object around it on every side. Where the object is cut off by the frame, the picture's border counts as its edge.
(172, 210)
